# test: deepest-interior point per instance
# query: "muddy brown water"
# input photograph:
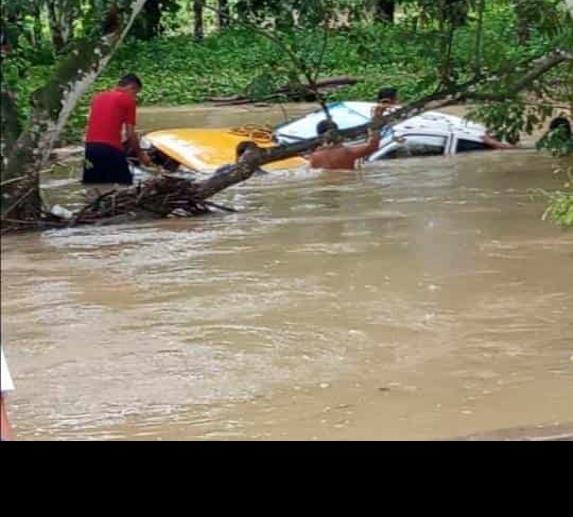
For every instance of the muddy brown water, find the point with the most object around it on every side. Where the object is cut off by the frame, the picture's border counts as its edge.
(418, 299)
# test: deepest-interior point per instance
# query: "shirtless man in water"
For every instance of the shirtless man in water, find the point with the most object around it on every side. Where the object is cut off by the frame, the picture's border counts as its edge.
(334, 155)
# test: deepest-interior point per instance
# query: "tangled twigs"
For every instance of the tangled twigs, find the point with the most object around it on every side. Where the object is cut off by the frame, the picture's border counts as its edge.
(20, 202)
(160, 196)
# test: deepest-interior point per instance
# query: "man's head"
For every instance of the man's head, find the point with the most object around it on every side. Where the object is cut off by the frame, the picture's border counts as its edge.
(324, 126)
(131, 84)
(243, 147)
(329, 129)
(388, 95)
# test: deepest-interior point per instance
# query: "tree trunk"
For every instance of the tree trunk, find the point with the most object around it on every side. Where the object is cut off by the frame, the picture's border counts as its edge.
(479, 37)
(36, 33)
(53, 103)
(61, 15)
(385, 10)
(198, 32)
(522, 9)
(55, 28)
(148, 25)
(11, 127)
(223, 14)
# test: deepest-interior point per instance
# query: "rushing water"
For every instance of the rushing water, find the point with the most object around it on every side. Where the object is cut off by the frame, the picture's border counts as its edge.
(418, 299)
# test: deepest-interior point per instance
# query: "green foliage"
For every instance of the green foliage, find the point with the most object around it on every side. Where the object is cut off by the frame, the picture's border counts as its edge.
(177, 70)
(560, 209)
(508, 119)
(558, 142)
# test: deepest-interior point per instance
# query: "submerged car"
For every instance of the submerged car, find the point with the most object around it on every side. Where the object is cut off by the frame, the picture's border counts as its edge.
(208, 149)
(428, 134)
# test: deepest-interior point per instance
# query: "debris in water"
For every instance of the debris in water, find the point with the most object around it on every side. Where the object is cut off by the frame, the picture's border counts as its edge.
(60, 211)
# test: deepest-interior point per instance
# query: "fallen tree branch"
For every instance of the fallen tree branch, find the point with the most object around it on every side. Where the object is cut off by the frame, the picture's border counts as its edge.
(12, 180)
(542, 66)
(286, 91)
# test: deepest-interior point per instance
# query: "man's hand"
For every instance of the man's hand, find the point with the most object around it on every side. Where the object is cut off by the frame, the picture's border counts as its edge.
(144, 158)
(380, 109)
(495, 143)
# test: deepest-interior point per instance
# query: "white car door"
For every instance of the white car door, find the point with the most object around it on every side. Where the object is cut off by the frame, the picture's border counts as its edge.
(413, 145)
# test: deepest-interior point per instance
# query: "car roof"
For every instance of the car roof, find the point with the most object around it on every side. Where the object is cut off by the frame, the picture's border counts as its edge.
(351, 114)
(440, 123)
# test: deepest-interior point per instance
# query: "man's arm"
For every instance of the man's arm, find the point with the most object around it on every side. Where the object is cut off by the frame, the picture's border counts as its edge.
(133, 141)
(361, 151)
(496, 144)
(132, 138)
(5, 429)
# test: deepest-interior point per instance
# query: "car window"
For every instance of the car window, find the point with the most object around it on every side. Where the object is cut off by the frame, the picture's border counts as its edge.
(465, 146)
(415, 145)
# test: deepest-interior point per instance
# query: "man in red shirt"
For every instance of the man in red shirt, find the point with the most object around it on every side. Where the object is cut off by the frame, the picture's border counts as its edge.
(111, 113)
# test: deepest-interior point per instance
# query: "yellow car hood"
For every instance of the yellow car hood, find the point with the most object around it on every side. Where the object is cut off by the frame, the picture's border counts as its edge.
(208, 149)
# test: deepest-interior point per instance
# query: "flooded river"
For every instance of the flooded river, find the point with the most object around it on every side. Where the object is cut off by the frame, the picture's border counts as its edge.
(418, 299)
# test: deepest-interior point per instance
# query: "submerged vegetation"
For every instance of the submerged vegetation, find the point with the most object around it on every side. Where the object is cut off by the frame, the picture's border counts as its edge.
(560, 208)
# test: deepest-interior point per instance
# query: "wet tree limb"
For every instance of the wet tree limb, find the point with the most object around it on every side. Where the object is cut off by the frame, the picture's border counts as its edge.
(540, 68)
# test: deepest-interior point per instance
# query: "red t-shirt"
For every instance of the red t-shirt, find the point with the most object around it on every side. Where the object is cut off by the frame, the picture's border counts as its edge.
(109, 111)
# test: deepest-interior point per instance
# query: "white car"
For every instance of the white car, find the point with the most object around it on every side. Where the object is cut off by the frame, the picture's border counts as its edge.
(429, 134)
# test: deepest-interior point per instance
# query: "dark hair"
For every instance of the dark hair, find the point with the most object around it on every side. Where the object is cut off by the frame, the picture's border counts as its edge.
(324, 126)
(243, 147)
(561, 123)
(130, 79)
(387, 93)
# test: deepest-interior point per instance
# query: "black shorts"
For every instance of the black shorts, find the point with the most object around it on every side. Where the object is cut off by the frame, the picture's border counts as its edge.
(106, 164)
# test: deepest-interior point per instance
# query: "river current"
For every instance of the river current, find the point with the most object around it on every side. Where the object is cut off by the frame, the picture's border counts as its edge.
(416, 299)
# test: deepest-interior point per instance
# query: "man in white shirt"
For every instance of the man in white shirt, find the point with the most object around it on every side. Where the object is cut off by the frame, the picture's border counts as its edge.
(7, 385)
